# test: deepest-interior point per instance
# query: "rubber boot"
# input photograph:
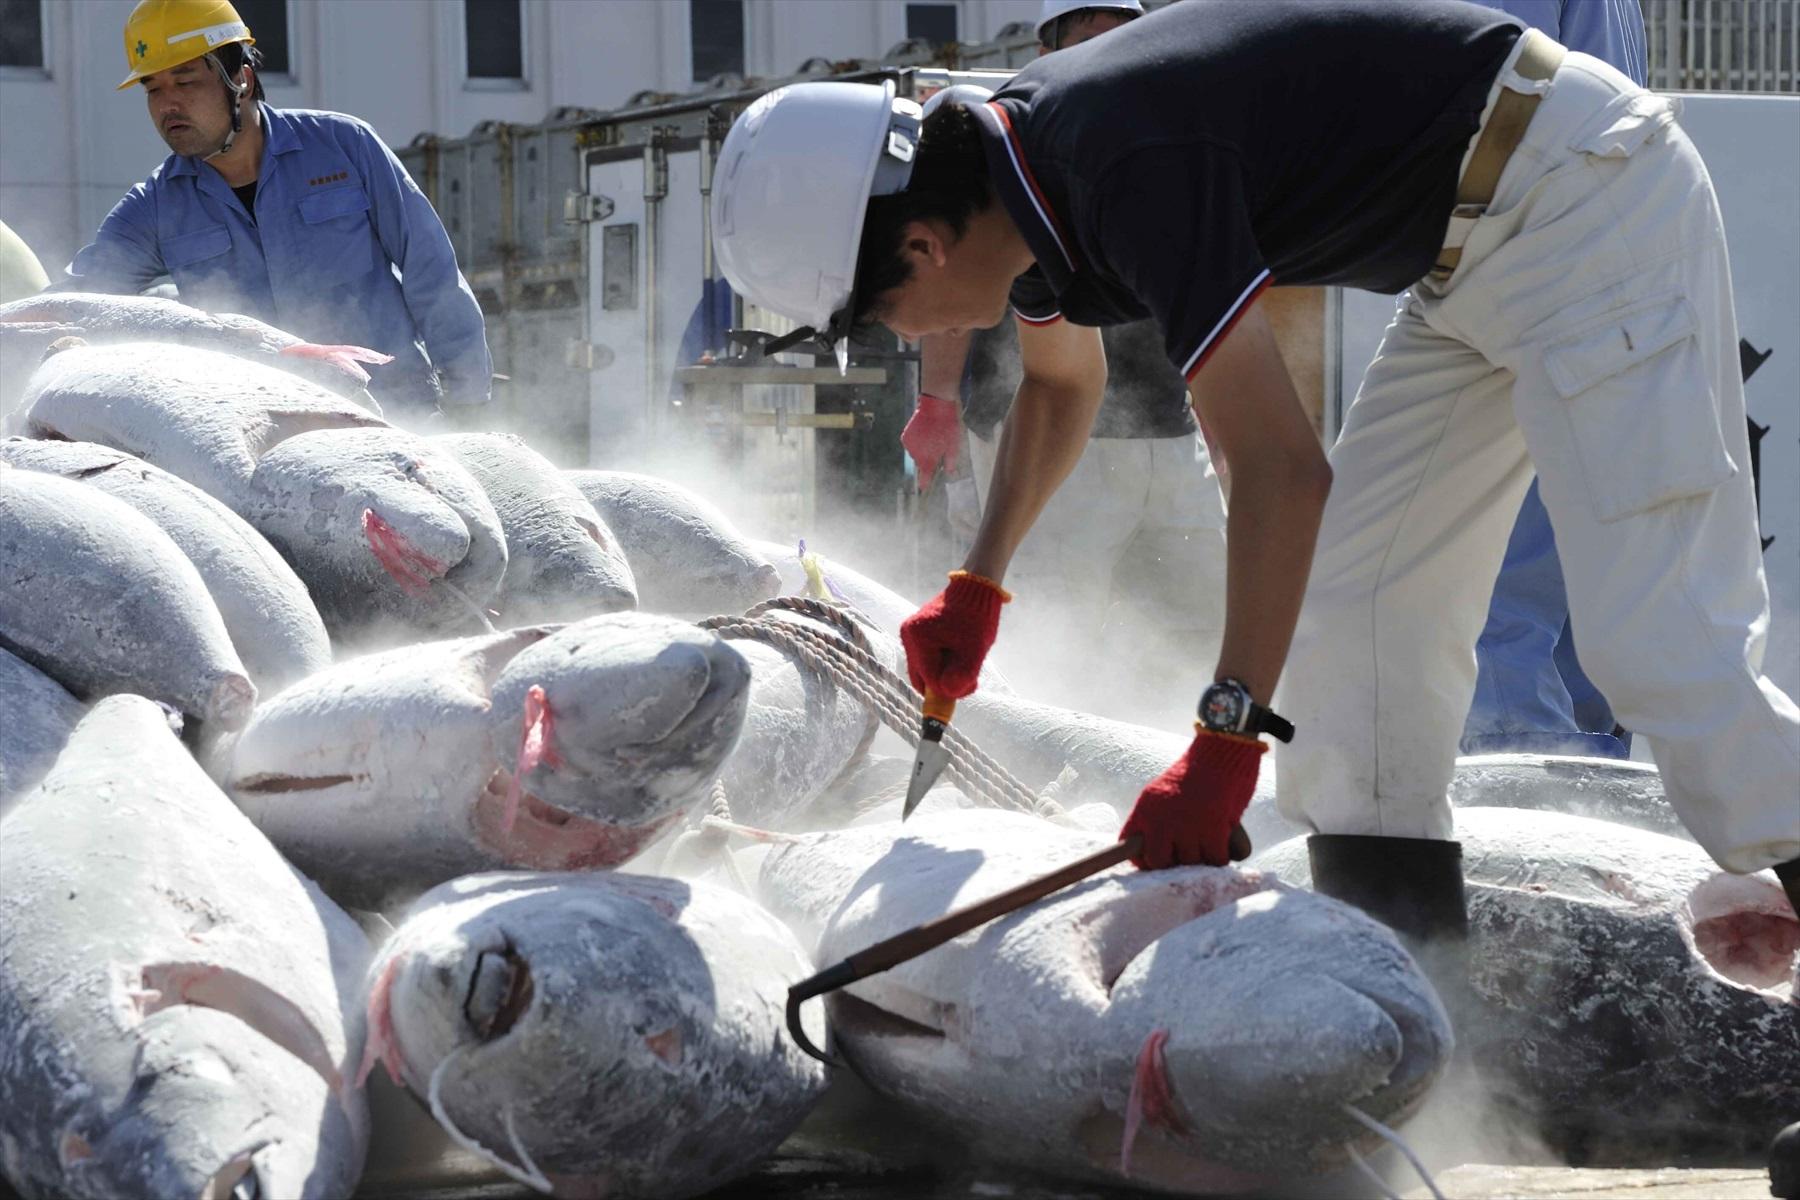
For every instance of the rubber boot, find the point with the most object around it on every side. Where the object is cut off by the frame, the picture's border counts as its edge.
(1414, 886)
(1789, 874)
(1784, 1164)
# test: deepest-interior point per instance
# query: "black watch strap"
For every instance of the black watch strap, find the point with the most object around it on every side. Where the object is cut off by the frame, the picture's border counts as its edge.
(1258, 719)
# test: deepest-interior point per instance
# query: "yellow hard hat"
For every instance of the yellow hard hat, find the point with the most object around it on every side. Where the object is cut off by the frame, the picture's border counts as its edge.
(160, 34)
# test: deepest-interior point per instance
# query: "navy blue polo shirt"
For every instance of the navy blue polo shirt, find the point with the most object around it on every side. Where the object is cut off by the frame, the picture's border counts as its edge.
(1180, 164)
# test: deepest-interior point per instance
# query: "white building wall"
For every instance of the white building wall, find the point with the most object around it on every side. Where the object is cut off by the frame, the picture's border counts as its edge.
(70, 145)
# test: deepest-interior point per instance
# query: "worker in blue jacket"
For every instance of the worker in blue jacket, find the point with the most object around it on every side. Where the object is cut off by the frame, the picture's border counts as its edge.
(302, 219)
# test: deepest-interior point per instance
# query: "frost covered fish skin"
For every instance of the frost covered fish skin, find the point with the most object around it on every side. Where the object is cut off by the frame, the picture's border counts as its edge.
(204, 416)
(563, 562)
(686, 555)
(40, 713)
(1240, 1013)
(178, 1007)
(93, 594)
(99, 318)
(1628, 992)
(876, 601)
(598, 1035)
(800, 732)
(271, 619)
(1606, 789)
(378, 522)
(389, 774)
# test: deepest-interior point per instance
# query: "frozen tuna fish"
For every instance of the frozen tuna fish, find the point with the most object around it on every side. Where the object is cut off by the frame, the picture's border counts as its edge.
(1606, 789)
(380, 523)
(389, 774)
(562, 561)
(178, 1008)
(199, 414)
(800, 732)
(1198, 1029)
(93, 594)
(686, 555)
(39, 715)
(100, 319)
(598, 1035)
(267, 611)
(1628, 994)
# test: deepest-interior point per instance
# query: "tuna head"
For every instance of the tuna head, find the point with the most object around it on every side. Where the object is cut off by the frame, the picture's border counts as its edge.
(379, 520)
(596, 1035)
(621, 719)
(213, 1118)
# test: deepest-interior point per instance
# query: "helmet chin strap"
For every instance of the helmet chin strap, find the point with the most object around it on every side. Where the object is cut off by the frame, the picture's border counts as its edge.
(237, 91)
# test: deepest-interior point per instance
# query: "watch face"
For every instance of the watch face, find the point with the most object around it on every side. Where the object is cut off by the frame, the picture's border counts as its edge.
(1222, 707)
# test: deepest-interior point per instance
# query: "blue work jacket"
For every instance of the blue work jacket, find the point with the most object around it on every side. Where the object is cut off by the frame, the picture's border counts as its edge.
(344, 249)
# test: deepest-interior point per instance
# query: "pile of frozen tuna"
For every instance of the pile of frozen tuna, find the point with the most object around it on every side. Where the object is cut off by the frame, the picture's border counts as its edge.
(264, 654)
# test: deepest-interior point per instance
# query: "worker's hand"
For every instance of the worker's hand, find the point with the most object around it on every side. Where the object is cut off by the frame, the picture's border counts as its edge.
(1187, 813)
(948, 638)
(933, 435)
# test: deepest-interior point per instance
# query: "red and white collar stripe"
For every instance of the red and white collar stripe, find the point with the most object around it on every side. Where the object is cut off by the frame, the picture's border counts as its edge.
(1032, 192)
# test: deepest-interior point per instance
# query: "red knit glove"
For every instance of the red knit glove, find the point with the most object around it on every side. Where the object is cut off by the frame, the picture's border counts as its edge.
(947, 639)
(933, 435)
(1186, 814)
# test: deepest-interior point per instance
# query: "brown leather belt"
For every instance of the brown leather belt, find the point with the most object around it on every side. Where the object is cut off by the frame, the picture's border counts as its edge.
(1500, 136)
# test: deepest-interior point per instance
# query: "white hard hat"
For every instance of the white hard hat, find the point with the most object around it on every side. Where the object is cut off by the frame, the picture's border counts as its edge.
(1053, 9)
(792, 186)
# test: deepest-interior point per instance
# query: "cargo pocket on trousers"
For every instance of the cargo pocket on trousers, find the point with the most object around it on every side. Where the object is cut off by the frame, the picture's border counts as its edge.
(1641, 409)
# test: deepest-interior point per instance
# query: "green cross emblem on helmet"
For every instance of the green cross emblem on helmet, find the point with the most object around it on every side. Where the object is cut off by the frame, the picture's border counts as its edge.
(142, 49)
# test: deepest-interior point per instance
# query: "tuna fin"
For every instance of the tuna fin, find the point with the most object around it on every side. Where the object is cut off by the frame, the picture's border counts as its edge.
(344, 358)
(1151, 1097)
(534, 747)
(379, 1044)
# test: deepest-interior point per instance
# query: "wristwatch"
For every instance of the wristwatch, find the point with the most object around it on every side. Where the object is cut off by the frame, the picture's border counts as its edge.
(1226, 707)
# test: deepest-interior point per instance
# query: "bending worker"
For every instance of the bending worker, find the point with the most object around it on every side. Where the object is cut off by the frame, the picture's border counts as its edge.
(1131, 550)
(1567, 309)
(298, 218)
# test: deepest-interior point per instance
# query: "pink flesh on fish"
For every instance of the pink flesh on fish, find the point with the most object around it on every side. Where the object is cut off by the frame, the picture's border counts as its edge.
(1152, 1099)
(411, 568)
(543, 837)
(344, 358)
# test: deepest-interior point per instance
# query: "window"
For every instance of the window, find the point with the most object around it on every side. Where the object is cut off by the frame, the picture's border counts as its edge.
(22, 34)
(936, 23)
(716, 28)
(268, 22)
(494, 37)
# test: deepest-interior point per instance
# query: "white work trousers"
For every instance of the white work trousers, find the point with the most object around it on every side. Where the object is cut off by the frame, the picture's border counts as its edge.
(1132, 546)
(1595, 296)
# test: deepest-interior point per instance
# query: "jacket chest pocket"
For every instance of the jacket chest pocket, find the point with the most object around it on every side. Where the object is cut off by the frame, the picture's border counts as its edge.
(188, 252)
(339, 241)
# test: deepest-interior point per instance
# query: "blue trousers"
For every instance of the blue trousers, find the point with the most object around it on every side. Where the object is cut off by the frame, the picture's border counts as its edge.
(1531, 694)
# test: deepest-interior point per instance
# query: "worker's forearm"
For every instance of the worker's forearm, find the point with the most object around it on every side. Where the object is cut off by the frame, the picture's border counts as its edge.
(1269, 537)
(1040, 444)
(941, 359)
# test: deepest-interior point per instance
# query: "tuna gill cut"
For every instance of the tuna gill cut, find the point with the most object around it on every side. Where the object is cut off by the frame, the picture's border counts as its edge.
(178, 1007)
(267, 611)
(386, 775)
(1631, 999)
(597, 1035)
(99, 598)
(1197, 1029)
(385, 528)
(199, 414)
(563, 563)
(687, 556)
